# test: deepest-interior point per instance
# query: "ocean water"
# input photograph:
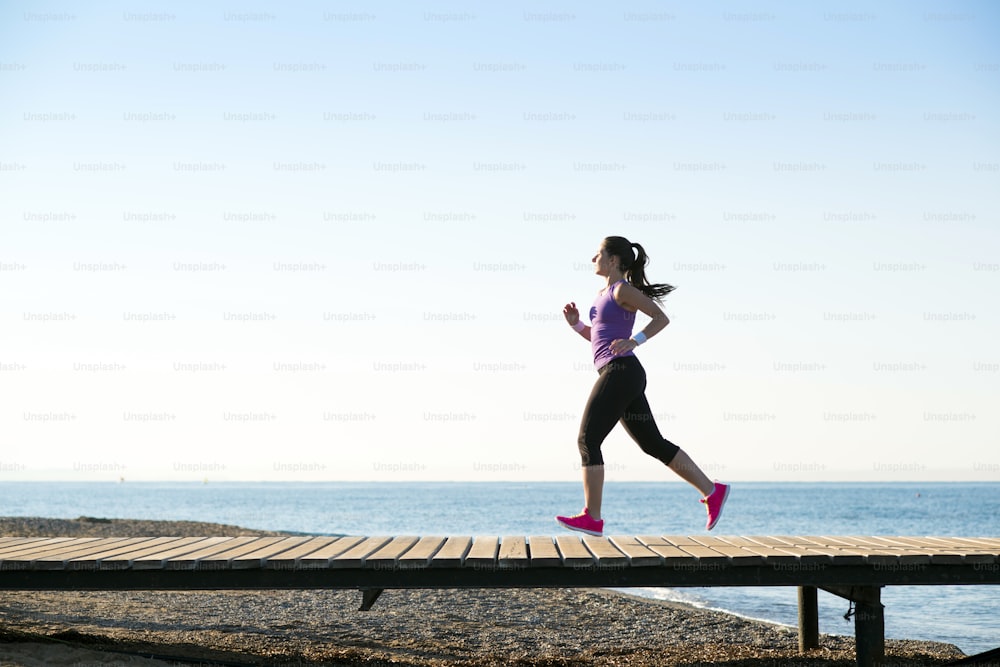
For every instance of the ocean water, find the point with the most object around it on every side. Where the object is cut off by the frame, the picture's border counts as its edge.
(967, 616)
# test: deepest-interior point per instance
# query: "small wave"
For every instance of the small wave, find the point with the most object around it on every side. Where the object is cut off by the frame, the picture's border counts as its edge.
(687, 598)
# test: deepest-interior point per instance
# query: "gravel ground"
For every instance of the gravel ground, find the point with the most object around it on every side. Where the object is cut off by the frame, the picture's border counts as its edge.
(411, 627)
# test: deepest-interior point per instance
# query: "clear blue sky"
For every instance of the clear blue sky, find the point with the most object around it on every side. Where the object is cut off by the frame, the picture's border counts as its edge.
(326, 241)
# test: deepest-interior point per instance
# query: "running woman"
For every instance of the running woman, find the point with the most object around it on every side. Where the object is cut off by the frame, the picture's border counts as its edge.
(619, 393)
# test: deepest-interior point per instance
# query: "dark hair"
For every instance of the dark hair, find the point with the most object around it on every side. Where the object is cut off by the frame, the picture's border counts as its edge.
(633, 266)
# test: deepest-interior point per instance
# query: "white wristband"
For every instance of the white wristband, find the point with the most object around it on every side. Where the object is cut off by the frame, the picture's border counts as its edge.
(579, 326)
(639, 338)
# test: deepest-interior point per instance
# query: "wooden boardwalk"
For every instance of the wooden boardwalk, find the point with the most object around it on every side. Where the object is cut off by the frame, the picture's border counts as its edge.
(853, 567)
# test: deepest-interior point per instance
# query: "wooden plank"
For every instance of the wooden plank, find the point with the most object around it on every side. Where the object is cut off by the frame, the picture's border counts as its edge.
(801, 541)
(483, 553)
(907, 555)
(259, 556)
(245, 544)
(710, 541)
(876, 551)
(990, 543)
(881, 551)
(355, 556)
(324, 555)
(806, 556)
(963, 544)
(93, 561)
(453, 553)
(938, 554)
(638, 554)
(573, 552)
(279, 546)
(680, 540)
(57, 560)
(123, 558)
(605, 552)
(670, 554)
(821, 546)
(886, 542)
(835, 541)
(771, 540)
(9, 539)
(208, 554)
(739, 556)
(984, 543)
(812, 552)
(123, 545)
(774, 554)
(820, 553)
(31, 544)
(421, 553)
(513, 552)
(738, 540)
(869, 553)
(47, 546)
(16, 544)
(159, 558)
(803, 553)
(732, 548)
(938, 541)
(860, 541)
(705, 555)
(387, 557)
(542, 552)
(288, 559)
(69, 548)
(972, 553)
(126, 560)
(919, 542)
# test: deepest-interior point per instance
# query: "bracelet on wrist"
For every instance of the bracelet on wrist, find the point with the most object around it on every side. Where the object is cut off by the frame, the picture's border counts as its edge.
(639, 338)
(579, 326)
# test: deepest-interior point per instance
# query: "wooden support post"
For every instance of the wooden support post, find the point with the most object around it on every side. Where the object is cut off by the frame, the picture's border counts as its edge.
(869, 628)
(808, 619)
(368, 597)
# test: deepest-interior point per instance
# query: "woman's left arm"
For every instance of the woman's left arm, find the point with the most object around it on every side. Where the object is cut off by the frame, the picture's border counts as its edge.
(631, 298)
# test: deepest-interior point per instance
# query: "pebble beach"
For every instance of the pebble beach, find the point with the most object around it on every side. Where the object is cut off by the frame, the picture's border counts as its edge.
(409, 627)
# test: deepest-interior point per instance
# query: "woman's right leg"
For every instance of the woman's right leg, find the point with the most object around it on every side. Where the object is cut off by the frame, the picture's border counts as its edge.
(691, 473)
(638, 420)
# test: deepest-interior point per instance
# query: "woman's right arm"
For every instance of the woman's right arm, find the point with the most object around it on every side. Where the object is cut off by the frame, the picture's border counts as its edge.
(572, 316)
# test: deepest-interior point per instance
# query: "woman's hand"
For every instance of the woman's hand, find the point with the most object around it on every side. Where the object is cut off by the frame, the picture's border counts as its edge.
(571, 314)
(623, 345)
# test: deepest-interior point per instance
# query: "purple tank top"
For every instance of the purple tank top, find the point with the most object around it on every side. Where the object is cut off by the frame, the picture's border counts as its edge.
(608, 322)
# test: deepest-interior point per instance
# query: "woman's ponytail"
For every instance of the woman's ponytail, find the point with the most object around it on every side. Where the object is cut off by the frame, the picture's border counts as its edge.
(633, 266)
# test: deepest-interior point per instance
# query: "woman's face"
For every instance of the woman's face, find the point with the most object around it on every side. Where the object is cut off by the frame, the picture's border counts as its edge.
(603, 262)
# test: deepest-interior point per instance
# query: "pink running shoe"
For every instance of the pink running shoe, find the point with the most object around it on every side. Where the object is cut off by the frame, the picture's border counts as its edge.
(714, 502)
(582, 522)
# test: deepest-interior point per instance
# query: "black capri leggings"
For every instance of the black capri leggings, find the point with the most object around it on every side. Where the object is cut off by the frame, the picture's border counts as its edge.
(620, 395)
